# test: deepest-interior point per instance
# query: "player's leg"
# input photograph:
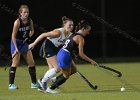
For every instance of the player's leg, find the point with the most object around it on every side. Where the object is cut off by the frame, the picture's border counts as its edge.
(47, 51)
(64, 61)
(73, 68)
(66, 73)
(49, 64)
(12, 71)
(59, 81)
(50, 73)
(31, 67)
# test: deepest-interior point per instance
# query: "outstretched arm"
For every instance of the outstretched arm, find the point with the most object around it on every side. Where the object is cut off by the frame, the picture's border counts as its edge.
(52, 34)
(81, 51)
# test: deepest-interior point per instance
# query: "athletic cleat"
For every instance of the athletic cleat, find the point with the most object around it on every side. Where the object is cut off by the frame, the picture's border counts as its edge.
(41, 90)
(42, 84)
(12, 87)
(51, 91)
(34, 85)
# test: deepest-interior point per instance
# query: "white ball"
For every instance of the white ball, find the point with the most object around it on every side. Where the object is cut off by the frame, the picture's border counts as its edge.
(122, 89)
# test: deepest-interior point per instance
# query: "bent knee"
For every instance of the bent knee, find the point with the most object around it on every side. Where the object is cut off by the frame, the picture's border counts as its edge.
(73, 72)
(66, 76)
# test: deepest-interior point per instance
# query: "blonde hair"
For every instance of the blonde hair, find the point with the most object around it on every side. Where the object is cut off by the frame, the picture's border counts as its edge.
(22, 7)
(65, 19)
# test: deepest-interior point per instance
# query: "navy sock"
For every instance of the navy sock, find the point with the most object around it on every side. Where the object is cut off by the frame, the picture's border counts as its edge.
(58, 82)
(59, 76)
(12, 72)
(32, 72)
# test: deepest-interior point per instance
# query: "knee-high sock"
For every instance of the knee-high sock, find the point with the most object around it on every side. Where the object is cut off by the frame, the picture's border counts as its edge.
(49, 74)
(32, 72)
(58, 82)
(12, 72)
(59, 76)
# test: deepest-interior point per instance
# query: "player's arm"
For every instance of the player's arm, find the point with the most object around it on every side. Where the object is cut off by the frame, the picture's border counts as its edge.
(81, 50)
(53, 34)
(31, 28)
(14, 33)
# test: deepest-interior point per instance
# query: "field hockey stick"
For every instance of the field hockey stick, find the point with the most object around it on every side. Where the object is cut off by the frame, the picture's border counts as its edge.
(15, 54)
(86, 80)
(123, 81)
(101, 20)
(119, 74)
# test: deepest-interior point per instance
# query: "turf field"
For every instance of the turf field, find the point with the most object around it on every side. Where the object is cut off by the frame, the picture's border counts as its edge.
(75, 88)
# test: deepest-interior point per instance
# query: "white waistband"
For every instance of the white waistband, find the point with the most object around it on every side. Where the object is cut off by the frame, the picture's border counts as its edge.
(65, 50)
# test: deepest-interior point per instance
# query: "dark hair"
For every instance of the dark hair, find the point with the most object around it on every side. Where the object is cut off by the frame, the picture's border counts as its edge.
(65, 19)
(82, 24)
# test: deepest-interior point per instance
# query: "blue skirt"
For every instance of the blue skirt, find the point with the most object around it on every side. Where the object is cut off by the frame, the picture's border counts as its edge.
(22, 46)
(64, 59)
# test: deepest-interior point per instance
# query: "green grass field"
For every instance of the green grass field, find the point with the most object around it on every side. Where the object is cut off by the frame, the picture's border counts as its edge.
(75, 88)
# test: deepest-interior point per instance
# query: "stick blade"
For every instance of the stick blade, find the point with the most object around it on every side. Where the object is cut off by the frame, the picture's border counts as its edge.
(95, 87)
(120, 75)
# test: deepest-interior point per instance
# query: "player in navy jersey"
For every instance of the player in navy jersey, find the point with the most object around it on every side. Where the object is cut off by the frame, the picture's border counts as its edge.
(64, 56)
(54, 40)
(22, 30)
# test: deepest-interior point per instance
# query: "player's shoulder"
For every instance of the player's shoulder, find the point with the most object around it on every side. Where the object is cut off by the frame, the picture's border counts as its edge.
(57, 30)
(78, 37)
(17, 22)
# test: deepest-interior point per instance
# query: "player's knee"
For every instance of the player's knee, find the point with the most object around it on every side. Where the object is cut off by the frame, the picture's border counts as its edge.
(31, 63)
(73, 72)
(15, 63)
(66, 76)
(57, 69)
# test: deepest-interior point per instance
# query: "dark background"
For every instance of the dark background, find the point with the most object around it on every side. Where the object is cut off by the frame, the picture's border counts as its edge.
(103, 42)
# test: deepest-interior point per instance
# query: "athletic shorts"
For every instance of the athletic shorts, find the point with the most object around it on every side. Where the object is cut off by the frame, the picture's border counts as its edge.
(47, 49)
(64, 59)
(22, 46)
